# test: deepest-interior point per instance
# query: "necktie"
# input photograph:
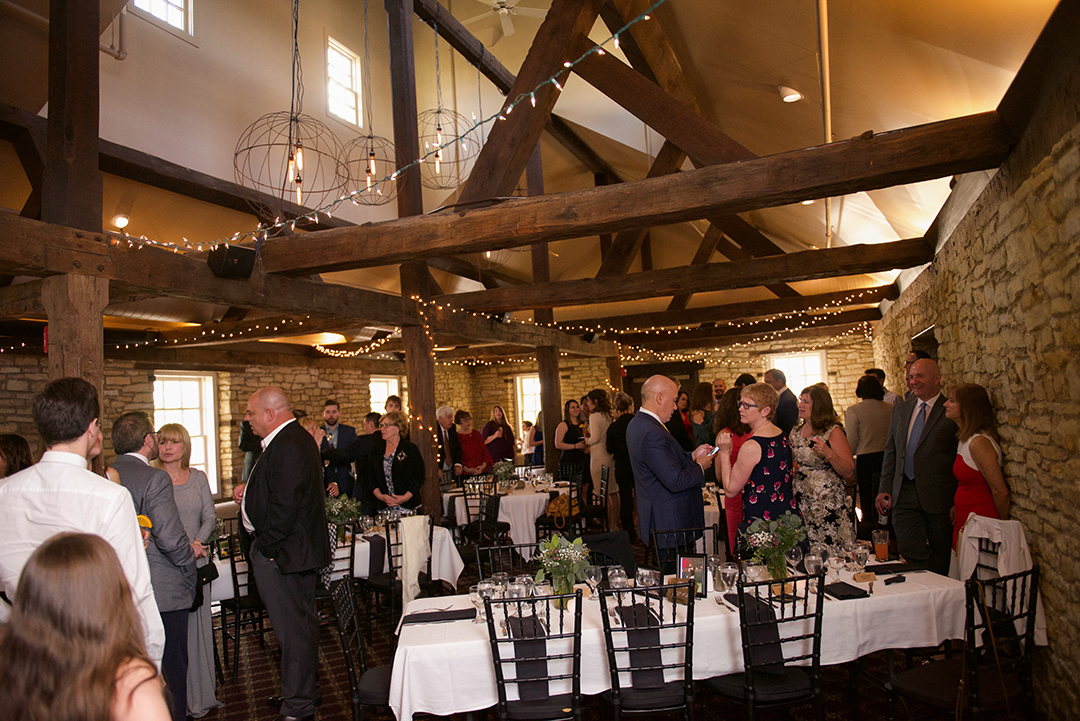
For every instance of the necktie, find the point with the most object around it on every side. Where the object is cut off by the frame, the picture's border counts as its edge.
(913, 440)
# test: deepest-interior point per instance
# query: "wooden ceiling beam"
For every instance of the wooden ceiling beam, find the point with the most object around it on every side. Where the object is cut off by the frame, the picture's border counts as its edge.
(230, 332)
(670, 346)
(805, 265)
(924, 152)
(510, 143)
(489, 351)
(657, 341)
(738, 311)
(465, 269)
(30, 247)
(706, 248)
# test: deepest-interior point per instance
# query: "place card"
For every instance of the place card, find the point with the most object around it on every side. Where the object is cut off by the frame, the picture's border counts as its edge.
(866, 577)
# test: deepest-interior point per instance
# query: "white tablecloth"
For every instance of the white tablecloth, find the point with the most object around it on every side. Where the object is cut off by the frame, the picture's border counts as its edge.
(519, 508)
(924, 611)
(446, 564)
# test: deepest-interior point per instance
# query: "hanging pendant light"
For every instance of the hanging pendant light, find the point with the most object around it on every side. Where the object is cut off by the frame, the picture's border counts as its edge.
(448, 141)
(293, 160)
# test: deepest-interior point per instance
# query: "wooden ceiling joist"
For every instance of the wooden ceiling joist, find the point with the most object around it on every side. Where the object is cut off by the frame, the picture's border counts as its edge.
(698, 337)
(31, 247)
(910, 155)
(806, 265)
(740, 311)
(817, 332)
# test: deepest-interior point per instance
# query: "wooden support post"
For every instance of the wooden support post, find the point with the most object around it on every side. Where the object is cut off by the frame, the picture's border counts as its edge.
(614, 367)
(547, 365)
(415, 277)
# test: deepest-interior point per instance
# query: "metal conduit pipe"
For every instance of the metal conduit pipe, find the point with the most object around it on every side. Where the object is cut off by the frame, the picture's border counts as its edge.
(18, 12)
(826, 97)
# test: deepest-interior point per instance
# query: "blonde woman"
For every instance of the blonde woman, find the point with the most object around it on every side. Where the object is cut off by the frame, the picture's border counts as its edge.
(191, 489)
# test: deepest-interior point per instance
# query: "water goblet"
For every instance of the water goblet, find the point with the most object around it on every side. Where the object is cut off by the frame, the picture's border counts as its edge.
(484, 589)
(367, 523)
(593, 576)
(729, 575)
(616, 576)
(836, 560)
(813, 562)
(794, 555)
(501, 581)
(474, 596)
(517, 591)
(648, 577)
(820, 550)
(861, 555)
(528, 582)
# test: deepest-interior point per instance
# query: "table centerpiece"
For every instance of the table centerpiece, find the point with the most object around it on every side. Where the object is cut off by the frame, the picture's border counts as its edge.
(564, 561)
(770, 540)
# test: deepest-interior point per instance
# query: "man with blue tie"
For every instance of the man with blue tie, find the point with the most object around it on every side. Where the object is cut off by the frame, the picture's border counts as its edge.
(667, 478)
(917, 481)
(338, 435)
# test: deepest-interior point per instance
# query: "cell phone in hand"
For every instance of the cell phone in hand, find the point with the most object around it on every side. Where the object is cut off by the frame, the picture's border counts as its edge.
(713, 452)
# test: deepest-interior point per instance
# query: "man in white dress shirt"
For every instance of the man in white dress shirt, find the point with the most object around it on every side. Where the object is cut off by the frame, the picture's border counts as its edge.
(59, 494)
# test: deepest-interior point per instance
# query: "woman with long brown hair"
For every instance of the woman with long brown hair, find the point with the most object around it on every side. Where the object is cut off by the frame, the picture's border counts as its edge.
(73, 649)
(727, 421)
(980, 486)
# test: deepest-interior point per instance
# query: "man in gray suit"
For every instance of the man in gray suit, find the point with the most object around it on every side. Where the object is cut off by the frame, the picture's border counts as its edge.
(917, 481)
(171, 558)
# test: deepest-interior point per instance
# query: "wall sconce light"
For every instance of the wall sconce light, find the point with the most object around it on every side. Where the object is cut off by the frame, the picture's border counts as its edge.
(121, 220)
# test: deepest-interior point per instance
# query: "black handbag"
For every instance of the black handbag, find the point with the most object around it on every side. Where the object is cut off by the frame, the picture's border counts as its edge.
(203, 577)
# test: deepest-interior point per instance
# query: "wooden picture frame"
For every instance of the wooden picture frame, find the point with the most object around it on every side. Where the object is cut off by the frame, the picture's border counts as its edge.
(696, 563)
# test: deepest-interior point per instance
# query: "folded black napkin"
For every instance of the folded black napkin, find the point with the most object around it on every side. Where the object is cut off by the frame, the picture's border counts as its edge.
(376, 554)
(531, 654)
(644, 645)
(457, 614)
(763, 633)
(891, 567)
(843, 591)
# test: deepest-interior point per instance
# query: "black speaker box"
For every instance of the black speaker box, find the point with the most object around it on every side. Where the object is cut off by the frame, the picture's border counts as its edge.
(231, 261)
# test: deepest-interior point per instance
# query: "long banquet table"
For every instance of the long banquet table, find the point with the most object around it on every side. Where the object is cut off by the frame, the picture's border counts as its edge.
(924, 611)
(446, 564)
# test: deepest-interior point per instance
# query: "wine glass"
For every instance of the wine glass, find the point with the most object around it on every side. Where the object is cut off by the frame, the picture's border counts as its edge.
(813, 562)
(836, 560)
(647, 577)
(501, 581)
(484, 589)
(794, 555)
(616, 576)
(819, 549)
(474, 596)
(729, 575)
(861, 555)
(593, 576)
(516, 591)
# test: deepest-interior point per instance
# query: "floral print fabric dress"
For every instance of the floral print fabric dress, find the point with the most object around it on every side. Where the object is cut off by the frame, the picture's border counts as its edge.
(820, 493)
(768, 493)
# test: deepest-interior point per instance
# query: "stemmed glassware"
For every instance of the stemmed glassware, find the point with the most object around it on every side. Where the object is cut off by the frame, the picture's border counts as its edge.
(813, 562)
(593, 576)
(517, 591)
(367, 523)
(837, 560)
(647, 577)
(794, 555)
(860, 555)
(477, 594)
(501, 580)
(729, 575)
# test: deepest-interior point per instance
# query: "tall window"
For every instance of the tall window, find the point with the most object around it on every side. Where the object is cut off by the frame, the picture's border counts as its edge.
(527, 388)
(175, 14)
(801, 369)
(189, 399)
(383, 387)
(342, 82)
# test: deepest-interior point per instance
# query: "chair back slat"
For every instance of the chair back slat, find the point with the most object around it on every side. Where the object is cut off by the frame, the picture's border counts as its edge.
(507, 559)
(665, 545)
(649, 637)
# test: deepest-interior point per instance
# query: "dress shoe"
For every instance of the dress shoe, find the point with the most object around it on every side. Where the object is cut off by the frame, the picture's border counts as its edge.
(276, 701)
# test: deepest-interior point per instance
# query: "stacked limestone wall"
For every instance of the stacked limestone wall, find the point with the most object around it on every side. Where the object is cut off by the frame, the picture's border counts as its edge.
(1002, 297)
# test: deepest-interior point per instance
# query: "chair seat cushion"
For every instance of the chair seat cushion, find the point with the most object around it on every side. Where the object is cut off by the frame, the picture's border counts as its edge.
(937, 684)
(553, 707)
(383, 583)
(669, 696)
(793, 684)
(374, 686)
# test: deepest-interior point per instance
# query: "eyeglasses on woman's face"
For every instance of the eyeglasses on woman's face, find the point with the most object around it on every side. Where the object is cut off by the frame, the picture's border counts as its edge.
(743, 405)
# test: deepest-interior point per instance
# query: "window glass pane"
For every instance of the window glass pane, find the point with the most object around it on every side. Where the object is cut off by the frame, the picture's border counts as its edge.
(343, 86)
(189, 401)
(801, 369)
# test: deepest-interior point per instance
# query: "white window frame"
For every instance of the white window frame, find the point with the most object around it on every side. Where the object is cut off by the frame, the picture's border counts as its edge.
(185, 7)
(527, 410)
(392, 387)
(204, 438)
(794, 366)
(336, 83)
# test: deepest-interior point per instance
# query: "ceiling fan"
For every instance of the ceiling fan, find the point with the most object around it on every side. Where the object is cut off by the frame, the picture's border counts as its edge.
(503, 9)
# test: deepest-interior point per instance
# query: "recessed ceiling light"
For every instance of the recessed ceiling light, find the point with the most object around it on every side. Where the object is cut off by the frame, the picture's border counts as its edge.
(789, 94)
(808, 202)
(121, 220)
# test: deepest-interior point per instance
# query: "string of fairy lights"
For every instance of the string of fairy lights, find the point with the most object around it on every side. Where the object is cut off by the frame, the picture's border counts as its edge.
(262, 230)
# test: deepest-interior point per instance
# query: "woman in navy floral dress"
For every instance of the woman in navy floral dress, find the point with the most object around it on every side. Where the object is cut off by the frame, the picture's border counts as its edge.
(762, 472)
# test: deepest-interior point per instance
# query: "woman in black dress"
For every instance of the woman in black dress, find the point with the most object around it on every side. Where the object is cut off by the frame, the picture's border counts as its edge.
(571, 441)
(395, 468)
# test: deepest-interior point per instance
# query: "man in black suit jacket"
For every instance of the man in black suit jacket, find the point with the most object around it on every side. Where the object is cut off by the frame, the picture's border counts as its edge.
(449, 445)
(787, 408)
(668, 479)
(284, 514)
(917, 481)
(338, 435)
(169, 552)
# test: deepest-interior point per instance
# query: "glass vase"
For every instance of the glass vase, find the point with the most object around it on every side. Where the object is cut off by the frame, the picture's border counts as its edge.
(777, 567)
(562, 585)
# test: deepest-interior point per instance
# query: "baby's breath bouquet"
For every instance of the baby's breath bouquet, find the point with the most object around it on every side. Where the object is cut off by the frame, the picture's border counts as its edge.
(563, 561)
(771, 540)
(341, 510)
(503, 471)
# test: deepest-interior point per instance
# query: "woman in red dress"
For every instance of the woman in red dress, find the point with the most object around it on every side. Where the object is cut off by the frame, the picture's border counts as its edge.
(980, 486)
(727, 420)
(475, 458)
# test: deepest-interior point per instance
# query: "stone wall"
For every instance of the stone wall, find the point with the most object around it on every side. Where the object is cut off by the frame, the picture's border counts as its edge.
(1002, 297)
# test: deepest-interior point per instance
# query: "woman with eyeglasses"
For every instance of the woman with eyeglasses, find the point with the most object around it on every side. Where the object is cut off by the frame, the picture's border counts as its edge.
(727, 420)
(825, 469)
(762, 473)
(395, 468)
